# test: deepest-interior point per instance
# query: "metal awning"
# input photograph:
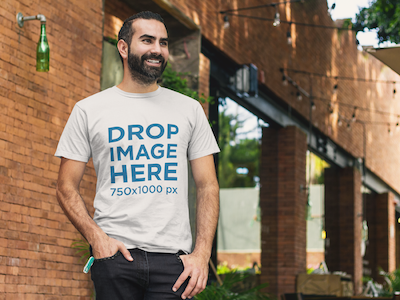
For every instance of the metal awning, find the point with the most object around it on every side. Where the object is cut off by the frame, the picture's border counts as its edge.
(390, 56)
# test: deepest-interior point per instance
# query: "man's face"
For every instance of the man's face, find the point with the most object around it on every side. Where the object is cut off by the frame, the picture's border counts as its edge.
(148, 52)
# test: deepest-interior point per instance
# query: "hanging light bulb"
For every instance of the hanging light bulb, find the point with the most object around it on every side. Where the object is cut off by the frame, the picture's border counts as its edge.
(42, 49)
(289, 35)
(277, 18)
(313, 107)
(330, 108)
(284, 80)
(226, 22)
(353, 117)
(335, 87)
(394, 88)
(348, 127)
(299, 96)
(390, 131)
(289, 38)
(339, 122)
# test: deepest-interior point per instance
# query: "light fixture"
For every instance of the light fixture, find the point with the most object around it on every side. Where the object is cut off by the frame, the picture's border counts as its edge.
(277, 17)
(226, 22)
(42, 49)
(335, 87)
(353, 117)
(284, 80)
(313, 107)
(330, 108)
(339, 122)
(289, 35)
(299, 96)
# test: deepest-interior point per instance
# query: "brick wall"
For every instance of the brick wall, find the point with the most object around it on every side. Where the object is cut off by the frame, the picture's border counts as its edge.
(36, 258)
(316, 50)
(283, 203)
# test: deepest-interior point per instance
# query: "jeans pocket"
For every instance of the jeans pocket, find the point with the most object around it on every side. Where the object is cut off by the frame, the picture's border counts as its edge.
(178, 256)
(107, 258)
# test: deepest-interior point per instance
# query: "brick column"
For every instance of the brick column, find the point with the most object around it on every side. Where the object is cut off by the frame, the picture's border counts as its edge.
(283, 207)
(382, 234)
(343, 222)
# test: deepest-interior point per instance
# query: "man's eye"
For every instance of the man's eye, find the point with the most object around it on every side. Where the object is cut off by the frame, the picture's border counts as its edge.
(164, 44)
(147, 40)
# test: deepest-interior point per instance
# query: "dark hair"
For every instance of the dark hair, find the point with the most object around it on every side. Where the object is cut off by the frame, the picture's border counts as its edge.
(126, 32)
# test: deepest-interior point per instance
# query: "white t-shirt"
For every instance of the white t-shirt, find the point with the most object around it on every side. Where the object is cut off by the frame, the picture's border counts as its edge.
(140, 144)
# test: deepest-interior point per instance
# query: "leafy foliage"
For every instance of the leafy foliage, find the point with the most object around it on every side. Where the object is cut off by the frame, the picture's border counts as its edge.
(82, 248)
(383, 15)
(176, 81)
(230, 289)
(392, 283)
(236, 153)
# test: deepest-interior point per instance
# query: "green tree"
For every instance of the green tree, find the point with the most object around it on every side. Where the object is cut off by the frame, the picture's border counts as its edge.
(243, 153)
(383, 15)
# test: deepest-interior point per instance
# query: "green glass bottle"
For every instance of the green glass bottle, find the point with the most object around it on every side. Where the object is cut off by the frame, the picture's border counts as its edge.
(43, 51)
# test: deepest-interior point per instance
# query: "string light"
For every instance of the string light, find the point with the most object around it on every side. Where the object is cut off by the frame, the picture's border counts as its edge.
(259, 6)
(361, 108)
(277, 17)
(226, 22)
(340, 123)
(341, 118)
(335, 87)
(284, 80)
(353, 117)
(338, 77)
(289, 35)
(330, 108)
(287, 22)
(299, 96)
(313, 106)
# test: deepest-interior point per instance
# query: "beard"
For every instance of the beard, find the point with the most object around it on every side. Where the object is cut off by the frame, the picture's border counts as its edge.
(143, 73)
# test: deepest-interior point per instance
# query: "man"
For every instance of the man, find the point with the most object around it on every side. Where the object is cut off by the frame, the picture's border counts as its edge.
(140, 137)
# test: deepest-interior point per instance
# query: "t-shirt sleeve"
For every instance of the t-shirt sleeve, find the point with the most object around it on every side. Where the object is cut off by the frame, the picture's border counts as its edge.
(203, 142)
(74, 141)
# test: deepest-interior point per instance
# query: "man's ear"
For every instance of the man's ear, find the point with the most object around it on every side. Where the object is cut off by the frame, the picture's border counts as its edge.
(123, 48)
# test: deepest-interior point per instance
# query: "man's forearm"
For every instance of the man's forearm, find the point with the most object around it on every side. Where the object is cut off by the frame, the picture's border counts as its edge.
(74, 208)
(206, 217)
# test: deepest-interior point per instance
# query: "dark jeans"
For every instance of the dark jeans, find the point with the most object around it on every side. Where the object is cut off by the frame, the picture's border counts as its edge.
(150, 276)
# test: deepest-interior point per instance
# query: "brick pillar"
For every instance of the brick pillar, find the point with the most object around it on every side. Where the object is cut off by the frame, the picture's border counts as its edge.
(204, 81)
(382, 234)
(283, 207)
(343, 222)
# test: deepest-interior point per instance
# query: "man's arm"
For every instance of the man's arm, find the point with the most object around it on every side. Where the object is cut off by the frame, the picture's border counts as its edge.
(207, 204)
(69, 178)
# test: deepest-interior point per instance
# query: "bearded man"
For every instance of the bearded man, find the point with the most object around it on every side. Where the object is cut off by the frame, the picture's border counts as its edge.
(140, 137)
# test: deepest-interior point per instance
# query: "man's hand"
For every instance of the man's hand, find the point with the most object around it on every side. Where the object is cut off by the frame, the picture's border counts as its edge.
(195, 267)
(106, 247)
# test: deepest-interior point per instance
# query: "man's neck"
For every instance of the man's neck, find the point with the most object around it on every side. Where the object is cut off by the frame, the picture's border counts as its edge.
(132, 86)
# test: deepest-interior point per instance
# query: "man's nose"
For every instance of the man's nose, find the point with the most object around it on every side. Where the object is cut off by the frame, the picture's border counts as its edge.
(156, 49)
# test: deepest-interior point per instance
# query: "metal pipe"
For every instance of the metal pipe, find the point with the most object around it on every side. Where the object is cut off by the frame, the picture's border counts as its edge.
(21, 19)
